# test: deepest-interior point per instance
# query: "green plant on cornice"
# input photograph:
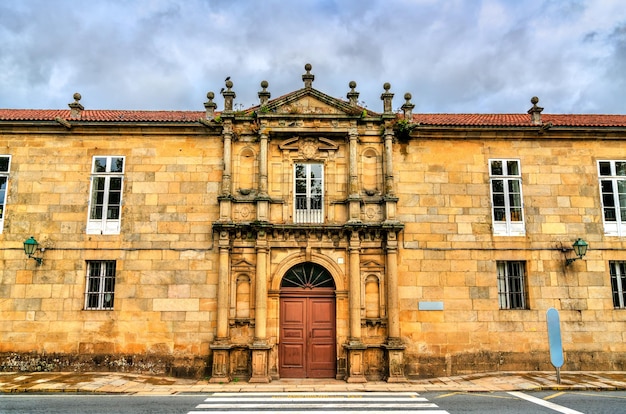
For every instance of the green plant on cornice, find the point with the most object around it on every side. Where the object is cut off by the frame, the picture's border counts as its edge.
(264, 109)
(402, 129)
(217, 119)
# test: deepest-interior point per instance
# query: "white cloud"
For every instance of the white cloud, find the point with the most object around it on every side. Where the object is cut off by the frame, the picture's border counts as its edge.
(453, 56)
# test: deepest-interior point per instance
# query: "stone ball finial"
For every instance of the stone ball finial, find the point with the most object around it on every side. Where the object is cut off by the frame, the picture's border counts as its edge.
(534, 100)
(387, 86)
(407, 96)
(308, 67)
(77, 97)
(264, 84)
(352, 84)
(229, 84)
(210, 95)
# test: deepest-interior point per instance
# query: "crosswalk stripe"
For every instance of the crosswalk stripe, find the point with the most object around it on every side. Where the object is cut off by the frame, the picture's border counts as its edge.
(317, 402)
(319, 405)
(387, 410)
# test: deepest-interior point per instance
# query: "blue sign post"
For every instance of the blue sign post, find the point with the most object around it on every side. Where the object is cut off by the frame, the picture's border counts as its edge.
(554, 338)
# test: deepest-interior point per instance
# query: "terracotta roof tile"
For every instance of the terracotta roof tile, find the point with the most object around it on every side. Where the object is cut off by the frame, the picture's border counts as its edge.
(504, 120)
(486, 120)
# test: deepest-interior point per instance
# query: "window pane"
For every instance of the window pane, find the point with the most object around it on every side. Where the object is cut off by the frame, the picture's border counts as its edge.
(100, 165)
(300, 187)
(4, 164)
(316, 170)
(605, 168)
(620, 168)
(316, 187)
(496, 167)
(116, 183)
(499, 214)
(515, 200)
(497, 186)
(113, 213)
(117, 164)
(498, 200)
(300, 171)
(512, 167)
(514, 186)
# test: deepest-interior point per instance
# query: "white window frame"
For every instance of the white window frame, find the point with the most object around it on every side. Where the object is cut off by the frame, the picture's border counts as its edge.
(512, 285)
(105, 206)
(308, 199)
(615, 224)
(513, 223)
(4, 179)
(618, 283)
(100, 285)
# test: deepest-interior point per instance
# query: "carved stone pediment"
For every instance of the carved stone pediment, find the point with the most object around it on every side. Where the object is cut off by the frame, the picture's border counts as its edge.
(308, 148)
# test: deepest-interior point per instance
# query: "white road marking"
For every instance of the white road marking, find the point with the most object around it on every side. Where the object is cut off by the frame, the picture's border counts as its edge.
(318, 403)
(544, 403)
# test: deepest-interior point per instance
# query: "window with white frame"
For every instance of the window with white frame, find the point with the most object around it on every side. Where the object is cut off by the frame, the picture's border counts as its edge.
(618, 283)
(105, 204)
(511, 285)
(506, 197)
(5, 167)
(100, 286)
(309, 193)
(612, 175)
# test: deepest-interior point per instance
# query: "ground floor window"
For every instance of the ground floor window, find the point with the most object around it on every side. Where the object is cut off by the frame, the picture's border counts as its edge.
(618, 284)
(100, 286)
(511, 285)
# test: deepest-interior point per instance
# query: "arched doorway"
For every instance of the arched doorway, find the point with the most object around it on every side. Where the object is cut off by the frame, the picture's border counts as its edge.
(307, 346)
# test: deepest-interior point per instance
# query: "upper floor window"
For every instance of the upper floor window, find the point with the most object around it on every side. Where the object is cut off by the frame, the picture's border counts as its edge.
(511, 285)
(309, 193)
(100, 286)
(618, 284)
(613, 194)
(5, 165)
(105, 204)
(506, 197)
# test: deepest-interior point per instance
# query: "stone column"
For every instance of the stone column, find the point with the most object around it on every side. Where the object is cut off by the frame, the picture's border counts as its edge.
(260, 348)
(355, 348)
(353, 198)
(225, 197)
(389, 191)
(221, 346)
(263, 200)
(263, 164)
(394, 346)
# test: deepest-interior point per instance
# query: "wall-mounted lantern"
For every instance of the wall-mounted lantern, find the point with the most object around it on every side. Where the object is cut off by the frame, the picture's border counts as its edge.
(580, 249)
(30, 247)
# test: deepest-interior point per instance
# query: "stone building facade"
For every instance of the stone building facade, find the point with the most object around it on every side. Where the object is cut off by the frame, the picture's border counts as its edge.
(309, 236)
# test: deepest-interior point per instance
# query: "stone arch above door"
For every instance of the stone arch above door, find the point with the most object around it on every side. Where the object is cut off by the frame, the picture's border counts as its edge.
(335, 271)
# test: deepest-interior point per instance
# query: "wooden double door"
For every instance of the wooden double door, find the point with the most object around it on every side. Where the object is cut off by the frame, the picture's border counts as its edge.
(308, 344)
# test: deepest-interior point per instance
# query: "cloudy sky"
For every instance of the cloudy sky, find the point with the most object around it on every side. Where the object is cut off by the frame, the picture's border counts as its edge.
(458, 56)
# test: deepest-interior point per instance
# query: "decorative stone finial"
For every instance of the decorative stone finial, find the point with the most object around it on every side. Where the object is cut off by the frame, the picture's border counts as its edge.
(535, 111)
(386, 97)
(353, 96)
(264, 95)
(407, 107)
(308, 77)
(76, 108)
(228, 95)
(210, 106)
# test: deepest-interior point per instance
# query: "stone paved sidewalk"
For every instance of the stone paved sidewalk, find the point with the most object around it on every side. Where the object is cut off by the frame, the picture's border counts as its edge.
(33, 382)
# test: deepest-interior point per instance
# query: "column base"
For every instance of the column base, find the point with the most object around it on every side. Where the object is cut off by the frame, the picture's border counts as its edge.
(356, 362)
(220, 371)
(395, 361)
(260, 363)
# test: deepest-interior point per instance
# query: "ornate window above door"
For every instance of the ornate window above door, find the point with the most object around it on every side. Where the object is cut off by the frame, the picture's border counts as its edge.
(307, 276)
(309, 193)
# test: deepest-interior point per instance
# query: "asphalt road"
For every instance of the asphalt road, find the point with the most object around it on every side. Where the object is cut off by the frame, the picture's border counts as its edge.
(587, 402)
